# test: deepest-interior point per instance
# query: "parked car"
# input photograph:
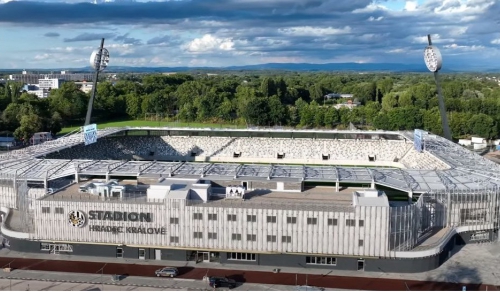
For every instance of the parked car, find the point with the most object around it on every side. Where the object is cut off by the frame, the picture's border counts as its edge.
(216, 282)
(167, 272)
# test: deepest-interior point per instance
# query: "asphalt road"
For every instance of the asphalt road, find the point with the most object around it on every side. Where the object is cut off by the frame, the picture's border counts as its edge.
(242, 276)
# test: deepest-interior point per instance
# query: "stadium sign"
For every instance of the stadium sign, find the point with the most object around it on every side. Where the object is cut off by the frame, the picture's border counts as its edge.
(121, 229)
(120, 216)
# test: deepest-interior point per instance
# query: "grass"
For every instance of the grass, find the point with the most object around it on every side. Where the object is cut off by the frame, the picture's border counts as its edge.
(142, 123)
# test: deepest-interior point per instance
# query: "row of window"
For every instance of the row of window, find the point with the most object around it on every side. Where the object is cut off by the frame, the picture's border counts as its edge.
(240, 256)
(272, 219)
(58, 210)
(250, 218)
(238, 237)
(321, 261)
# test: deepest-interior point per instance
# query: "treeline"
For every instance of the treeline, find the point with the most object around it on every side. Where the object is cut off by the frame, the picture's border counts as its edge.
(389, 102)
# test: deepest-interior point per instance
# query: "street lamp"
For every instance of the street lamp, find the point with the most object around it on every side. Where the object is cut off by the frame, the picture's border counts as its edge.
(434, 62)
(99, 60)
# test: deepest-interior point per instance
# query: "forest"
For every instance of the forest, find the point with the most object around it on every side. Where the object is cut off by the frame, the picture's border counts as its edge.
(287, 99)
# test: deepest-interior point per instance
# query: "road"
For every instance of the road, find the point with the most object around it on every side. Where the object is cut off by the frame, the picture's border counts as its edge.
(241, 276)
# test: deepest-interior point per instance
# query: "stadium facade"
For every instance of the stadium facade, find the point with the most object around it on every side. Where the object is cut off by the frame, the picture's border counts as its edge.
(350, 200)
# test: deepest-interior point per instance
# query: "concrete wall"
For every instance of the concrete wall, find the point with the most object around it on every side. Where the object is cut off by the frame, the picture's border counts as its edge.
(107, 251)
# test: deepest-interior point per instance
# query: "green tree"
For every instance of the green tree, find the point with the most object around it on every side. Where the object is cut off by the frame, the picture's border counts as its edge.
(483, 126)
(29, 125)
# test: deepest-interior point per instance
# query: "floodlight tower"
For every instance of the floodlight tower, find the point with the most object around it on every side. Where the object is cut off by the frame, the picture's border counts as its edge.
(434, 62)
(99, 60)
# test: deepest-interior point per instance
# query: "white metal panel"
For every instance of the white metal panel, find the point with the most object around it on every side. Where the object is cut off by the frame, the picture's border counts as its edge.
(306, 238)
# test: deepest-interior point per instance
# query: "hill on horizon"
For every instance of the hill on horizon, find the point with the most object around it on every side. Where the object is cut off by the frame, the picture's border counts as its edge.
(357, 67)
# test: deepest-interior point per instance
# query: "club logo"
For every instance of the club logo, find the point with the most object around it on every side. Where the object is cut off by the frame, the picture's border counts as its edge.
(77, 218)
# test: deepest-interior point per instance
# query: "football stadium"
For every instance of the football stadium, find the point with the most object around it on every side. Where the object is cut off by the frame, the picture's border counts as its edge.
(348, 200)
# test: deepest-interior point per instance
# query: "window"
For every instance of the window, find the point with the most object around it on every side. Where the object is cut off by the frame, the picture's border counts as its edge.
(174, 220)
(59, 210)
(174, 239)
(291, 220)
(271, 238)
(286, 239)
(251, 218)
(251, 237)
(312, 221)
(332, 221)
(45, 209)
(271, 219)
(350, 222)
(231, 217)
(236, 236)
(44, 246)
(212, 217)
(360, 242)
(198, 235)
(198, 216)
(212, 235)
(361, 223)
(119, 252)
(240, 256)
(321, 261)
(142, 253)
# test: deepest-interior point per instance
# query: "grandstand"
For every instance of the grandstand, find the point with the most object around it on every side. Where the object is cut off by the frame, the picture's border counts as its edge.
(445, 195)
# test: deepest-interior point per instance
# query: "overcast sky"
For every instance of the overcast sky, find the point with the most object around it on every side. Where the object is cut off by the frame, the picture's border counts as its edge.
(62, 34)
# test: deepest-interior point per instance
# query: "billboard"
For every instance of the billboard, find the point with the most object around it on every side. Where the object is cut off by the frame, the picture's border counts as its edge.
(417, 140)
(90, 134)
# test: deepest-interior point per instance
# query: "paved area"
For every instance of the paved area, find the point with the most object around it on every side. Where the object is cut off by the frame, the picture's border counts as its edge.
(22, 285)
(39, 280)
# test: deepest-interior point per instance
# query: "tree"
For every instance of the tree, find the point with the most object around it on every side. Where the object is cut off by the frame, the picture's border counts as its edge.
(257, 111)
(69, 101)
(389, 101)
(29, 125)
(405, 99)
(483, 126)
(277, 110)
(267, 87)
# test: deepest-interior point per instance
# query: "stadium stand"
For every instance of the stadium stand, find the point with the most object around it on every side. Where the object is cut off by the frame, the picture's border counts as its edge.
(422, 160)
(183, 147)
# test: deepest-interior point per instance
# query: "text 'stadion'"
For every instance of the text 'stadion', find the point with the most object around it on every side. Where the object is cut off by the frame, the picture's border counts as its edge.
(120, 216)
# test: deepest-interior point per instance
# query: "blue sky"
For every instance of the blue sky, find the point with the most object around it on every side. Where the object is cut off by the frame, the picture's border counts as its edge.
(63, 33)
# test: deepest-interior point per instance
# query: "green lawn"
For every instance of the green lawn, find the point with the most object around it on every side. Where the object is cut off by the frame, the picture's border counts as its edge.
(141, 123)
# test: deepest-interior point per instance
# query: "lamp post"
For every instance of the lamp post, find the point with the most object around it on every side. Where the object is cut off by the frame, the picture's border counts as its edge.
(99, 60)
(434, 62)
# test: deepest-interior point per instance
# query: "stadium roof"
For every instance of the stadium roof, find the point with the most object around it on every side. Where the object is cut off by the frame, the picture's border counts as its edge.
(469, 170)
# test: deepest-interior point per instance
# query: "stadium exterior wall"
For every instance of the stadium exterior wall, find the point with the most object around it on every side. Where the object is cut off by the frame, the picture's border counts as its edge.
(387, 265)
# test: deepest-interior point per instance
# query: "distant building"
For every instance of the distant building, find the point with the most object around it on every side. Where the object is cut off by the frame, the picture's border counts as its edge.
(349, 104)
(32, 78)
(43, 88)
(338, 95)
(85, 86)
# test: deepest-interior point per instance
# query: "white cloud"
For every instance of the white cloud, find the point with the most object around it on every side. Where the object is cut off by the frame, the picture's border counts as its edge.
(411, 5)
(375, 19)
(463, 6)
(496, 41)
(372, 7)
(209, 43)
(314, 31)
(42, 57)
(464, 48)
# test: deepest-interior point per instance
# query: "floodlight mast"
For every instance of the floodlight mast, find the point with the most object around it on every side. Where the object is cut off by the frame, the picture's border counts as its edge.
(434, 61)
(99, 61)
